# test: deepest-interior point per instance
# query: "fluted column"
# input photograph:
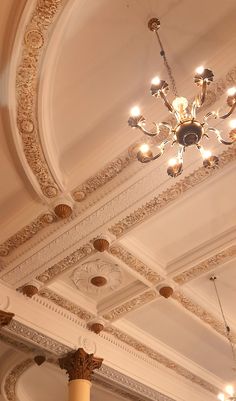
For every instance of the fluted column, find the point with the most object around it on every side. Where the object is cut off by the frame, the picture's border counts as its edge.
(80, 366)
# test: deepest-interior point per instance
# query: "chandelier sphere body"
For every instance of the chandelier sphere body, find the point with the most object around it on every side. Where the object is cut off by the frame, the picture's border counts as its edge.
(188, 129)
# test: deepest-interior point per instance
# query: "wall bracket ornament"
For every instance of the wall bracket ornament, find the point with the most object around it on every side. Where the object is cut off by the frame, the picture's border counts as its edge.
(5, 318)
(80, 365)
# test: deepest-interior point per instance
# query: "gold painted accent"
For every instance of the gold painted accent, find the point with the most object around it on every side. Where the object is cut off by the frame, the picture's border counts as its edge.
(95, 327)
(29, 290)
(131, 305)
(12, 377)
(202, 314)
(159, 202)
(26, 233)
(27, 81)
(101, 244)
(69, 261)
(5, 318)
(135, 264)
(166, 291)
(63, 210)
(80, 365)
(98, 281)
(206, 266)
(66, 304)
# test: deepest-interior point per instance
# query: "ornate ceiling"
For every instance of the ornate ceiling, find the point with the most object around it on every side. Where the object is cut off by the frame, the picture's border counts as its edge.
(70, 72)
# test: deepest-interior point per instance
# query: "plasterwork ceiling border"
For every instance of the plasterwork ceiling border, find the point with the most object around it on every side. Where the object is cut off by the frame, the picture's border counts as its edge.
(13, 376)
(206, 265)
(205, 316)
(140, 347)
(34, 43)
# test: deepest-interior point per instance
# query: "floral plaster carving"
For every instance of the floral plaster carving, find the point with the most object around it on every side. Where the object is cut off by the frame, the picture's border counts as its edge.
(205, 266)
(66, 304)
(66, 263)
(202, 314)
(27, 78)
(130, 305)
(85, 273)
(11, 379)
(26, 233)
(135, 264)
(19, 345)
(80, 365)
(169, 195)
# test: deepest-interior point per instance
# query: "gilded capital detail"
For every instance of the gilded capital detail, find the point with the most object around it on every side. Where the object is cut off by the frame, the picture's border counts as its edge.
(5, 318)
(80, 365)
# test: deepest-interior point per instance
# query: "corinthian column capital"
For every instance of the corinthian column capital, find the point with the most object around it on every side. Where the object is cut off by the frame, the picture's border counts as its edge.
(80, 365)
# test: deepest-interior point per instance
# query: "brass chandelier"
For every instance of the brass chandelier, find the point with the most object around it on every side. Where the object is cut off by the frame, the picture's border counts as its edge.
(188, 130)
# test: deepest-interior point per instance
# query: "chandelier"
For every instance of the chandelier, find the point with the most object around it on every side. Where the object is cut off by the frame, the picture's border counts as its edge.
(188, 129)
(229, 390)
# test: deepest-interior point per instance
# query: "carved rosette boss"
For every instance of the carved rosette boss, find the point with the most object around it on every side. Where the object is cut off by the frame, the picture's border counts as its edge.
(80, 365)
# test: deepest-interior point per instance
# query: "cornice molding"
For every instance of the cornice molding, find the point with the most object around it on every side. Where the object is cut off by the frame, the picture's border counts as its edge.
(206, 265)
(148, 352)
(171, 194)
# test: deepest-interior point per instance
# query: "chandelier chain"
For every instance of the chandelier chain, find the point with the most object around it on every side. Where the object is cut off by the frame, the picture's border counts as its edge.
(227, 328)
(167, 65)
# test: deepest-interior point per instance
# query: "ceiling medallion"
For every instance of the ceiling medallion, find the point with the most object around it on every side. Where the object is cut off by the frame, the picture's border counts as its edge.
(97, 277)
(188, 130)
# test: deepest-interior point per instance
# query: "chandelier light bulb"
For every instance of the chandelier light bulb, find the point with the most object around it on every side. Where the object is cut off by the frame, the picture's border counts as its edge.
(231, 91)
(155, 81)
(172, 162)
(232, 124)
(144, 148)
(229, 390)
(221, 397)
(199, 70)
(206, 153)
(135, 111)
(180, 104)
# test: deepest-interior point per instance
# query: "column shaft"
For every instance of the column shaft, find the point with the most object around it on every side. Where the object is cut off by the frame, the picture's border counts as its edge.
(79, 390)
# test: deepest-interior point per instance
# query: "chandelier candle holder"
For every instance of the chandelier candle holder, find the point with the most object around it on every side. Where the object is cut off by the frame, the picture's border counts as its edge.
(188, 129)
(229, 396)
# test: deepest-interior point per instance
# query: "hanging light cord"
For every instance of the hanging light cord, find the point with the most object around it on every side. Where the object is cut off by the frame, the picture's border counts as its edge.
(168, 68)
(227, 328)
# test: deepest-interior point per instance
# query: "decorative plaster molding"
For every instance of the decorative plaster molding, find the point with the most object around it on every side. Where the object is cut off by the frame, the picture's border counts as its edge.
(105, 175)
(125, 386)
(206, 266)
(156, 356)
(13, 376)
(135, 264)
(69, 261)
(138, 346)
(26, 233)
(202, 314)
(15, 343)
(66, 304)
(93, 269)
(27, 79)
(38, 338)
(170, 194)
(5, 318)
(130, 305)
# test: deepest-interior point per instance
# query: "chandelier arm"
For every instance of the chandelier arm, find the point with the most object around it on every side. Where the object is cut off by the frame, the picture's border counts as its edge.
(229, 113)
(203, 92)
(166, 102)
(146, 132)
(219, 137)
(210, 114)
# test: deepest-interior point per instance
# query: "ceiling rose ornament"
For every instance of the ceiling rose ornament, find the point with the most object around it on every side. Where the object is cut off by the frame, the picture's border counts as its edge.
(96, 276)
(188, 129)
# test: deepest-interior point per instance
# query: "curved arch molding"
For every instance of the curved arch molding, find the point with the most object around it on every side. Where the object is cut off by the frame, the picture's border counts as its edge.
(34, 42)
